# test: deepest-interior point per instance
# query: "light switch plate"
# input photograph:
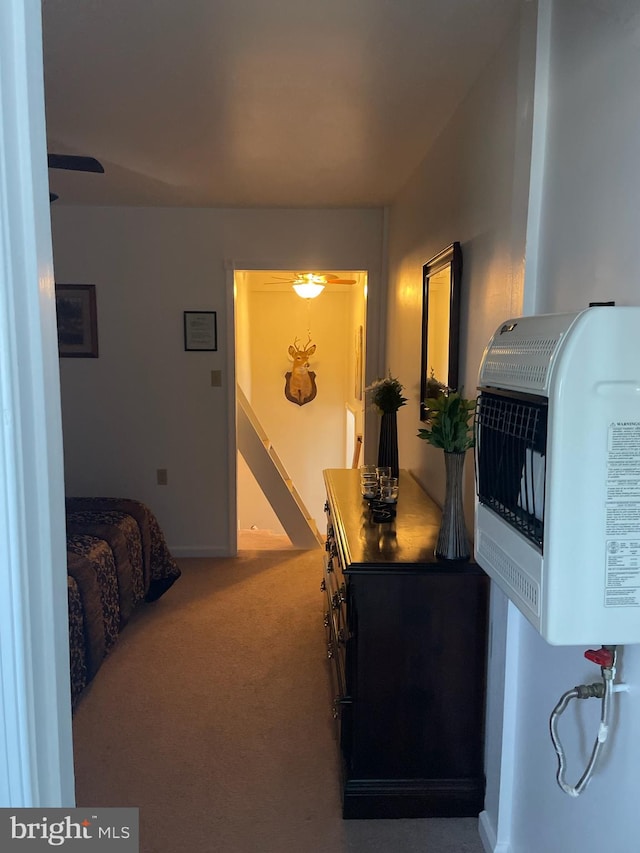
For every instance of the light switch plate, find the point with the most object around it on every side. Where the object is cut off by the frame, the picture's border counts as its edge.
(161, 475)
(216, 378)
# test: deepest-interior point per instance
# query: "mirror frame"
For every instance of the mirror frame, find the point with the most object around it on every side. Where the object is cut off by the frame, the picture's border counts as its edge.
(450, 257)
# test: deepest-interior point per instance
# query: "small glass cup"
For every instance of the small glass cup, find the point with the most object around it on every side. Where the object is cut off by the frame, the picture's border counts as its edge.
(389, 490)
(368, 482)
(383, 471)
(369, 489)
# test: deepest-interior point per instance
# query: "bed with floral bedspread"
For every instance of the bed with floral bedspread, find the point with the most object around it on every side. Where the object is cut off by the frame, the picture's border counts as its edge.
(117, 559)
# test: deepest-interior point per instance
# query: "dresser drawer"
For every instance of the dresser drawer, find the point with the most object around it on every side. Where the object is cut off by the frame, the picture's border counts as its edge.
(336, 619)
(335, 612)
(341, 707)
(336, 654)
(336, 589)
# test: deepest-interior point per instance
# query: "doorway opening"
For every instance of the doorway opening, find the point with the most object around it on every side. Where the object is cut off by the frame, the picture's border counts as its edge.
(271, 322)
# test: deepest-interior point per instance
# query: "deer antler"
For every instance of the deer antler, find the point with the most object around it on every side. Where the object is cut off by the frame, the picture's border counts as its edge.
(299, 348)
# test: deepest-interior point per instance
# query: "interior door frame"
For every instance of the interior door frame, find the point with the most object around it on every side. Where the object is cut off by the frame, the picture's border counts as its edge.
(231, 267)
(36, 749)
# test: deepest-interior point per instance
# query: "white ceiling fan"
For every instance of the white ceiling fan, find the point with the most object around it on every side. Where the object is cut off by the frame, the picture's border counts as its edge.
(310, 284)
(315, 278)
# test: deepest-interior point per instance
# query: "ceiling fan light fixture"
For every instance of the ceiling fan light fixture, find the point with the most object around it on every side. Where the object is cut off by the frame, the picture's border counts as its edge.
(308, 289)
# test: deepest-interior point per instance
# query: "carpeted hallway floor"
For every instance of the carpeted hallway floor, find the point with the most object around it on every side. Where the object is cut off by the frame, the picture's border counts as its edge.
(212, 716)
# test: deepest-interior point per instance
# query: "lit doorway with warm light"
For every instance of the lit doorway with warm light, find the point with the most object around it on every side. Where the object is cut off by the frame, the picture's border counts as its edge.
(302, 435)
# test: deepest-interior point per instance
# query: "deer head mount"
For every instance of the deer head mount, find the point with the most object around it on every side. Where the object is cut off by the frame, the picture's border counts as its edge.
(300, 384)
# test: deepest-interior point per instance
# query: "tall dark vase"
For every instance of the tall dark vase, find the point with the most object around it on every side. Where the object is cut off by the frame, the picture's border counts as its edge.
(453, 543)
(388, 444)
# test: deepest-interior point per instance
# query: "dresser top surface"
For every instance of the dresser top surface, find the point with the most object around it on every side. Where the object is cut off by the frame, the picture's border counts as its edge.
(405, 544)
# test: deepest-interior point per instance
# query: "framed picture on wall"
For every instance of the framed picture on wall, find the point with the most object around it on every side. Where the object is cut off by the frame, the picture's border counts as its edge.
(77, 320)
(200, 331)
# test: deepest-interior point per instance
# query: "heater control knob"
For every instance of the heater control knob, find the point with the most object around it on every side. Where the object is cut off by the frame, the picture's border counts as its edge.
(603, 657)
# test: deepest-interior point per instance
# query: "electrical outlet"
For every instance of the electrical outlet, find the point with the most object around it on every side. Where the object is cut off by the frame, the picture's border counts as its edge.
(216, 378)
(161, 476)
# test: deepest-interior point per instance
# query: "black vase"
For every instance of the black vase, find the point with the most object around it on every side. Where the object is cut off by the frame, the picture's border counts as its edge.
(388, 444)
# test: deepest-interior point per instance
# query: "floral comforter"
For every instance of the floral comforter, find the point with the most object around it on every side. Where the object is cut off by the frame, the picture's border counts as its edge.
(117, 558)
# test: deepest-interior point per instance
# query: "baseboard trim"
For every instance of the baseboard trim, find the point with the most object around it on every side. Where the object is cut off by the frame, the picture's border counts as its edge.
(489, 837)
(411, 798)
(185, 551)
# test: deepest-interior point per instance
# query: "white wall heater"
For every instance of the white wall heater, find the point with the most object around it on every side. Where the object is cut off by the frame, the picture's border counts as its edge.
(557, 522)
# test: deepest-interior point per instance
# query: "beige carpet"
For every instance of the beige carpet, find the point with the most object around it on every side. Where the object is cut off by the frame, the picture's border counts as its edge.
(212, 716)
(263, 540)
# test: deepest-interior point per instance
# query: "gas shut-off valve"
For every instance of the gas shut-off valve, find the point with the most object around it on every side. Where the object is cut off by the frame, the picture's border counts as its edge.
(605, 657)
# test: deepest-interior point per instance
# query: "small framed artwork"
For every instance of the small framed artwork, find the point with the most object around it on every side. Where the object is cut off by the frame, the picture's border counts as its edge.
(77, 320)
(200, 331)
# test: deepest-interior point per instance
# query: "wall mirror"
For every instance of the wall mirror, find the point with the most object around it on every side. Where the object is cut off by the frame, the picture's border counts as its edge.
(440, 321)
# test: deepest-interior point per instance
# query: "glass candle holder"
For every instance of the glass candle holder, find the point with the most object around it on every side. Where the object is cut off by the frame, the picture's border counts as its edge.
(368, 482)
(369, 490)
(389, 490)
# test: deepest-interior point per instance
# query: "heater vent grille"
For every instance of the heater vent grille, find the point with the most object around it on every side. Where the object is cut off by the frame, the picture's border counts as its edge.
(528, 346)
(510, 456)
(520, 582)
(520, 362)
(533, 375)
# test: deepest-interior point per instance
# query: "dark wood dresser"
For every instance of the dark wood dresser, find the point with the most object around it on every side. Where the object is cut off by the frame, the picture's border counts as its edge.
(407, 638)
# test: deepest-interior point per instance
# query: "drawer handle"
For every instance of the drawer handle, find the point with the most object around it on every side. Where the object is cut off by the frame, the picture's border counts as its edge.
(337, 703)
(335, 601)
(327, 619)
(329, 650)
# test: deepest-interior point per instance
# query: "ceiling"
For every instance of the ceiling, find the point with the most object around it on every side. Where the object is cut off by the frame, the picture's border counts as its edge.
(256, 103)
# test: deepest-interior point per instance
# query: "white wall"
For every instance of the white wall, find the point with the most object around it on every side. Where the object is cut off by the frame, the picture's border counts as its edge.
(469, 188)
(145, 403)
(589, 251)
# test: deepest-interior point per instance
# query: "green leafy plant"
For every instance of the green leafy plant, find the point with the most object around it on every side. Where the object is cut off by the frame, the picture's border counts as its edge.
(386, 394)
(449, 422)
(434, 387)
